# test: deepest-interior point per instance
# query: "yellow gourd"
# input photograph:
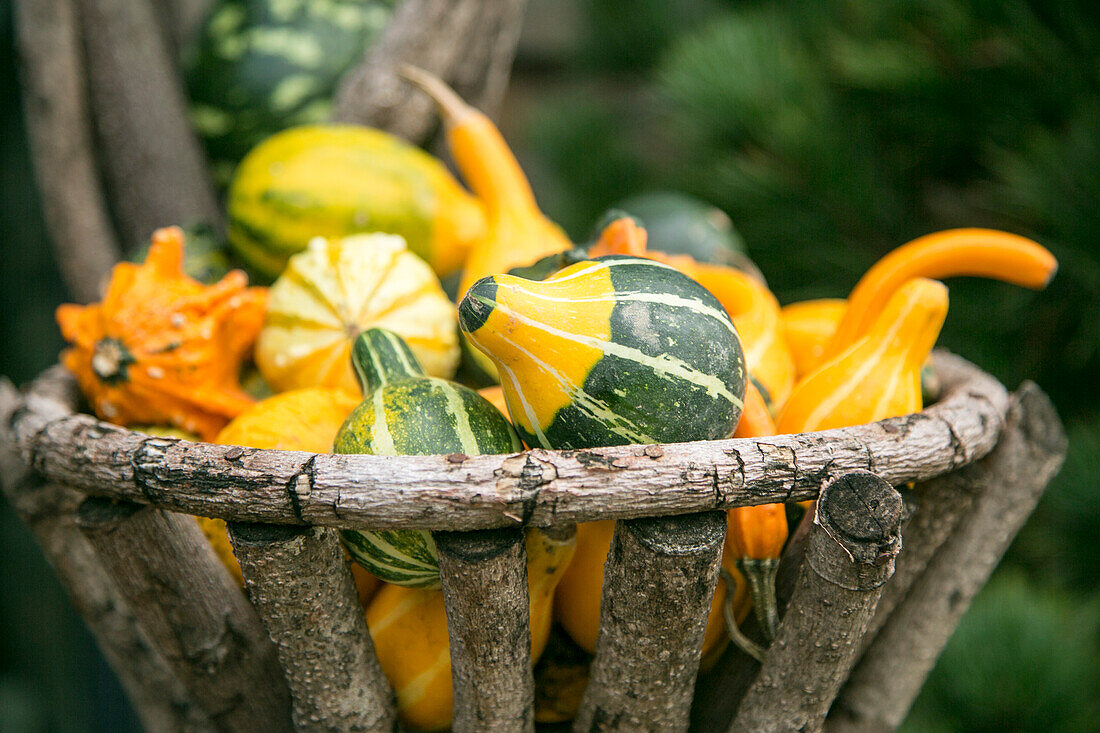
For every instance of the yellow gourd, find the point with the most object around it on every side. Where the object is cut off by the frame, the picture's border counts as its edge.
(878, 376)
(807, 328)
(409, 630)
(517, 231)
(333, 291)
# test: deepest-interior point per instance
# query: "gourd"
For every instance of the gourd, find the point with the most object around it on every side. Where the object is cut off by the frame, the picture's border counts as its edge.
(951, 253)
(610, 351)
(409, 629)
(303, 420)
(517, 231)
(337, 180)
(577, 599)
(406, 412)
(261, 66)
(753, 308)
(161, 348)
(336, 289)
(808, 326)
(679, 224)
(878, 376)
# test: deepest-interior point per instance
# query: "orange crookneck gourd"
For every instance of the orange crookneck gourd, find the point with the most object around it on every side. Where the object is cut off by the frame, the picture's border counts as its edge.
(878, 376)
(517, 231)
(753, 308)
(951, 253)
(162, 348)
(755, 534)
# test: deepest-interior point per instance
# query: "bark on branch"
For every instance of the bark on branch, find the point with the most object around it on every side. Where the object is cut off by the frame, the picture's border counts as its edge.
(158, 698)
(61, 144)
(658, 583)
(484, 577)
(154, 166)
(849, 556)
(537, 487)
(467, 43)
(193, 611)
(299, 582)
(1010, 482)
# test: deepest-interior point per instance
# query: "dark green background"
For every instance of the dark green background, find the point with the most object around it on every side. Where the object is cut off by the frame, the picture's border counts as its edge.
(830, 132)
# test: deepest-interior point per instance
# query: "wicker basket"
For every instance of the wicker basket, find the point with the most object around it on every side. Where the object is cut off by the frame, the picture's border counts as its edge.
(193, 654)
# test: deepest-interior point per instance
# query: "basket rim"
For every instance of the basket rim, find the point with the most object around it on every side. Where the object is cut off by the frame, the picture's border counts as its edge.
(539, 487)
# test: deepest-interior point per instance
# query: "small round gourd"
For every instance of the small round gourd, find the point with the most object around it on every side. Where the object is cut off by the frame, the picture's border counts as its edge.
(336, 289)
(610, 351)
(406, 412)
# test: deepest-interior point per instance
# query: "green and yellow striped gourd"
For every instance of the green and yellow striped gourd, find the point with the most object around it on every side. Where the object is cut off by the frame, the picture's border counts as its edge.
(609, 351)
(336, 180)
(406, 412)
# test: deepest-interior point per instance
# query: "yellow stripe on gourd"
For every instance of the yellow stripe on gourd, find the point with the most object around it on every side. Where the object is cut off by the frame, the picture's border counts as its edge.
(504, 334)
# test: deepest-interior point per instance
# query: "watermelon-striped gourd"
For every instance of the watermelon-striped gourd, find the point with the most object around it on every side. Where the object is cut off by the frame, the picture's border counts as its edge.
(261, 66)
(336, 180)
(405, 412)
(609, 351)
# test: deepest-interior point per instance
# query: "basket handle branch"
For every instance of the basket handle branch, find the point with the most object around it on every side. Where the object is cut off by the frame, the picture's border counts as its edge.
(299, 582)
(61, 144)
(1010, 482)
(850, 555)
(658, 583)
(469, 43)
(193, 611)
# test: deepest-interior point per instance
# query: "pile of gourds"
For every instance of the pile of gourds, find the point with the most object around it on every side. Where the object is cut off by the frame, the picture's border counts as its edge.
(353, 346)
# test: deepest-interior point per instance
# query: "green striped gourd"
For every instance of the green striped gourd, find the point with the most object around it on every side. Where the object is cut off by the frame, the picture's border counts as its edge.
(405, 412)
(333, 181)
(609, 351)
(261, 66)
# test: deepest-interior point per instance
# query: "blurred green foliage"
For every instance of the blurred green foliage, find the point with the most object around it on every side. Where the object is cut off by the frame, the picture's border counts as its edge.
(830, 132)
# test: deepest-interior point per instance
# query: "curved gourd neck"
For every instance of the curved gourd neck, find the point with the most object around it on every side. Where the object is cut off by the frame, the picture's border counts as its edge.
(379, 357)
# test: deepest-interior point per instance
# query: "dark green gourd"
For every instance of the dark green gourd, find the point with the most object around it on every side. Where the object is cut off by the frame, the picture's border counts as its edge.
(406, 412)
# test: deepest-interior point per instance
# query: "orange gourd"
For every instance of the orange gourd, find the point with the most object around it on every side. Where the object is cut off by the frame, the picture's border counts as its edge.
(951, 253)
(878, 376)
(755, 535)
(162, 348)
(808, 326)
(577, 599)
(517, 231)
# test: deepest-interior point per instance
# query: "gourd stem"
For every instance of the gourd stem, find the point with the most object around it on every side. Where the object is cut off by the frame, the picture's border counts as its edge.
(380, 356)
(760, 575)
(738, 637)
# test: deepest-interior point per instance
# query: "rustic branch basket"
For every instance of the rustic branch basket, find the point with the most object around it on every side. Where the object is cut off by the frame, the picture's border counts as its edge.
(193, 653)
(103, 102)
